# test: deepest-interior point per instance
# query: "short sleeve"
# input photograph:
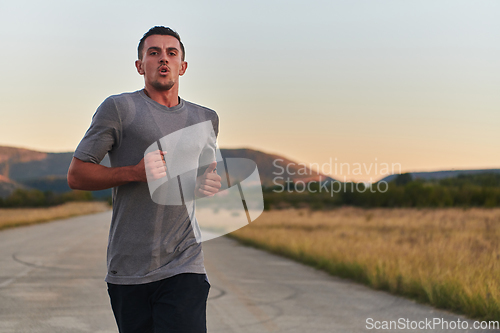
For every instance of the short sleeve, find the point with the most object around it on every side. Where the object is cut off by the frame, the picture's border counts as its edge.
(215, 124)
(103, 134)
(209, 151)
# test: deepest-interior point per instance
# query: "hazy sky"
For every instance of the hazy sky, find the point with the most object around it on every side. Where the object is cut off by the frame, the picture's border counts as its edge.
(409, 82)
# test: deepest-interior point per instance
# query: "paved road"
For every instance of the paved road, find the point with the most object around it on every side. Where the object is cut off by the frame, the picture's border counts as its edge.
(51, 280)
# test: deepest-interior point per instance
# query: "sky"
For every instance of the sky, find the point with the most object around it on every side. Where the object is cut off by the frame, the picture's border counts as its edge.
(409, 84)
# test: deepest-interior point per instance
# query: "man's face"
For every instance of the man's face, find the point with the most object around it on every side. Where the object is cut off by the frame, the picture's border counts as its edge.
(161, 62)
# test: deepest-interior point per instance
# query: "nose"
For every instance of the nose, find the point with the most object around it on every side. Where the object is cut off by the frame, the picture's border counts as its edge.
(163, 58)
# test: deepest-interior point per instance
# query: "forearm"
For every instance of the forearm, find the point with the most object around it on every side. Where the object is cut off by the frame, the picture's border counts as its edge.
(93, 177)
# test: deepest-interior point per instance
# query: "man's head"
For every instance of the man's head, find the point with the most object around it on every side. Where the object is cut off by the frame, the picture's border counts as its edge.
(161, 60)
(159, 30)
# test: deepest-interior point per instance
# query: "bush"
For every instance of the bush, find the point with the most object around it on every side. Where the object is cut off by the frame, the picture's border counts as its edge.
(36, 198)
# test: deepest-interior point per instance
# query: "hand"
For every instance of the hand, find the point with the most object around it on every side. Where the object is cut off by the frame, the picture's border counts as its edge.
(152, 166)
(208, 184)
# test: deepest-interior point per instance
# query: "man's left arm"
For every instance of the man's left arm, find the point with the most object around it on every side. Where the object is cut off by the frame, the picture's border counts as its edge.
(209, 183)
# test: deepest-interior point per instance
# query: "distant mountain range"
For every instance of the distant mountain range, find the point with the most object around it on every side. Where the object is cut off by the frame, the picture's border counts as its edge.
(30, 169)
(24, 168)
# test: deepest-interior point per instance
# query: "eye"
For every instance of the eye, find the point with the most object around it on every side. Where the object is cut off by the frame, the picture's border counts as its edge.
(172, 53)
(153, 53)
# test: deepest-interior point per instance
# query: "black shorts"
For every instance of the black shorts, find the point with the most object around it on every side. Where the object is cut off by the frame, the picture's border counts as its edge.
(175, 304)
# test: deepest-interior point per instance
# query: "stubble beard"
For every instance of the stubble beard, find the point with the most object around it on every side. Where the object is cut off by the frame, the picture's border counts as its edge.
(162, 86)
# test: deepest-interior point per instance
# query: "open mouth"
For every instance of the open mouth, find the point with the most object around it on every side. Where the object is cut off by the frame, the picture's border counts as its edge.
(163, 70)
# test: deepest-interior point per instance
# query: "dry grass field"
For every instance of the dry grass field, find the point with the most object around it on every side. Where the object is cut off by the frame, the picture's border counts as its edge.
(13, 217)
(449, 258)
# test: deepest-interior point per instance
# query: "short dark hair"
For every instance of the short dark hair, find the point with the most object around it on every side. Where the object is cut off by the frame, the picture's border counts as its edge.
(159, 30)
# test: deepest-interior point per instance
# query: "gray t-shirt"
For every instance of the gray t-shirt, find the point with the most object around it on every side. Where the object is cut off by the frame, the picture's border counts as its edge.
(147, 242)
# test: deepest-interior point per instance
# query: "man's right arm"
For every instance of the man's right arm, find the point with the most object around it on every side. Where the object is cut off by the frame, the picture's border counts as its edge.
(90, 176)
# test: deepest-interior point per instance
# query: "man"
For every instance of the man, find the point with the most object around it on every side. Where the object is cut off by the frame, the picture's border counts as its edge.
(156, 278)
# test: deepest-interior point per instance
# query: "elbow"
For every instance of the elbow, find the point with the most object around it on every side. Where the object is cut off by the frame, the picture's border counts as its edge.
(74, 182)
(72, 185)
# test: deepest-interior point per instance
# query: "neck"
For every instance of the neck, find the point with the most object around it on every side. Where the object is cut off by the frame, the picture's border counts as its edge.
(169, 98)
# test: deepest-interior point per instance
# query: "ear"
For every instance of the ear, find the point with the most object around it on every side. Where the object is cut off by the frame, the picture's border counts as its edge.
(184, 66)
(138, 65)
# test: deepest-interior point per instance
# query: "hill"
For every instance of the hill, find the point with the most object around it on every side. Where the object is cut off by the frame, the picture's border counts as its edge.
(11, 155)
(27, 168)
(274, 167)
(47, 171)
(7, 186)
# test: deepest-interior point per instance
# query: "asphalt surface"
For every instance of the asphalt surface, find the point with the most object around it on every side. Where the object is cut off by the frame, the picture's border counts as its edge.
(52, 280)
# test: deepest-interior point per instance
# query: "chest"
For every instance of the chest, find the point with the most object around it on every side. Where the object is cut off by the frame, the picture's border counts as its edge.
(182, 134)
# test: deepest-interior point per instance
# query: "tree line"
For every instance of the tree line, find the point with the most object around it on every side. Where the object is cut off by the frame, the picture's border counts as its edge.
(36, 198)
(476, 190)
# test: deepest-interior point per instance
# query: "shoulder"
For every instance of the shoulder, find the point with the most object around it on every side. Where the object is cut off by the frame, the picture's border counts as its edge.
(202, 113)
(209, 113)
(123, 98)
(121, 104)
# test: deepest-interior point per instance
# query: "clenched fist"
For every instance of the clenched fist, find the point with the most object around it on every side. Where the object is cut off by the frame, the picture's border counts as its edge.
(154, 165)
(209, 183)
